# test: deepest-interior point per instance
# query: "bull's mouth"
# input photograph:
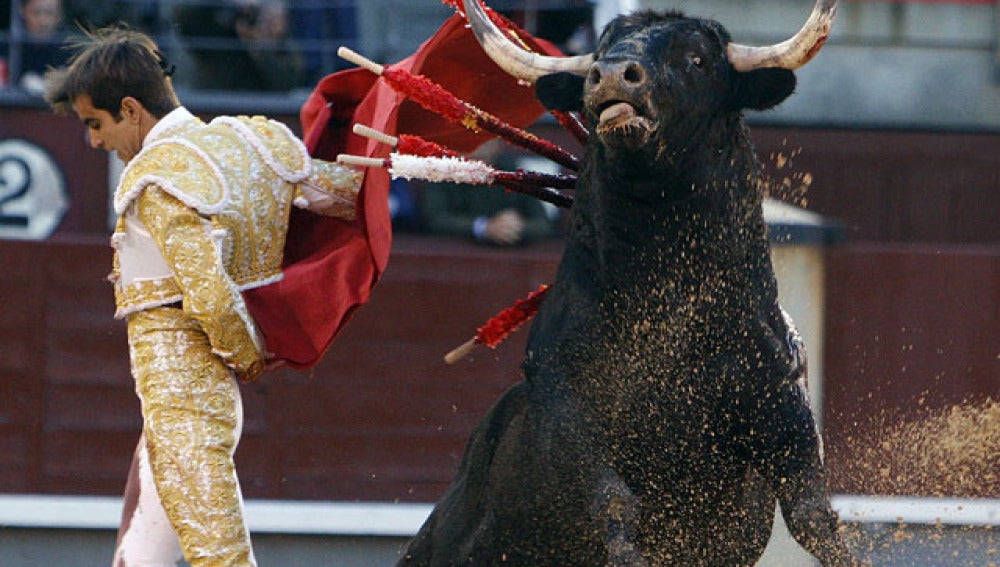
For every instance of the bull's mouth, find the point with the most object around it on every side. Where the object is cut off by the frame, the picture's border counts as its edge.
(619, 119)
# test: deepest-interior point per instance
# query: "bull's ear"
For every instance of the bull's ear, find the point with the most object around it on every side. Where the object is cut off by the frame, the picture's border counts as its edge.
(560, 91)
(762, 89)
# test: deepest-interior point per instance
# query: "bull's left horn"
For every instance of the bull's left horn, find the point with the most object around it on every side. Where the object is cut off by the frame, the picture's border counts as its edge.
(794, 52)
(511, 57)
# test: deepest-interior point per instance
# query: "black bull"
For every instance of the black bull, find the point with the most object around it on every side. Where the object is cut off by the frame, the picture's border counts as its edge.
(663, 409)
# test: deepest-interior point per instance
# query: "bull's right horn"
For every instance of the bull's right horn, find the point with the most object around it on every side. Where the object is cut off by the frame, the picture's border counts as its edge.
(512, 58)
(794, 52)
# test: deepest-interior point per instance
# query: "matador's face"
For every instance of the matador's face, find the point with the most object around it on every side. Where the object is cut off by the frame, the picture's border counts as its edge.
(123, 136)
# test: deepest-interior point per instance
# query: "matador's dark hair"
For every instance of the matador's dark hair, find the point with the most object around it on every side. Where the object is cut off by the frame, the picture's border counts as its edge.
(110, 64)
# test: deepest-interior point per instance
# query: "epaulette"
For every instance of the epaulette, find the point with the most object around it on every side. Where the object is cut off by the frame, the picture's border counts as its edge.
(180, 168)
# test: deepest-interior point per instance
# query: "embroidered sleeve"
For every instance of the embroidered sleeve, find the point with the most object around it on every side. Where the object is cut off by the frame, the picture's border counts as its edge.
(210, 296)
(331, 190)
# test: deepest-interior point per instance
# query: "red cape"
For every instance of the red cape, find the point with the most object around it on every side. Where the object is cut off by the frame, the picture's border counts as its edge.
(331, 266)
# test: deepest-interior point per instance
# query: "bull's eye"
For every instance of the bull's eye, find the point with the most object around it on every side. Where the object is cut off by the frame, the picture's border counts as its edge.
(696, 61)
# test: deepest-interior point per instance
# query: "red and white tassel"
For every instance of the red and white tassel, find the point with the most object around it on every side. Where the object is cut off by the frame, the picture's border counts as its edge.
(406, 143)
(440, 101)
(501, 325)
(442, 169)
(470, 172)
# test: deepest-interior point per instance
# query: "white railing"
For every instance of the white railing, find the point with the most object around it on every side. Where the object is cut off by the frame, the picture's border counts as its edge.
(263, 516)
(384, 519)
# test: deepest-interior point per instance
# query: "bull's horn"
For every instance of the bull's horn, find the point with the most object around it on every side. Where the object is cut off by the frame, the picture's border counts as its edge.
(512, 58)
(792, 53)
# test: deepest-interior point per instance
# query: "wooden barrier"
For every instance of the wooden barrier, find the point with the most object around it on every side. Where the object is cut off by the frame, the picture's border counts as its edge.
(911, 307)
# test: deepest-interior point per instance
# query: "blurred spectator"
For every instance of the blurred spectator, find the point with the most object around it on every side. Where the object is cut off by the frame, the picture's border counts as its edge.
(320, 27)
(391, 30)
(568, 24)
(143, 15)
(488, 215)
(264, 58)
(5, 7)
(42, 45)
(403, 206)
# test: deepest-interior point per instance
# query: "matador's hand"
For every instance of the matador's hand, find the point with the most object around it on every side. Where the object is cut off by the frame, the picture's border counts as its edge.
(274, 364)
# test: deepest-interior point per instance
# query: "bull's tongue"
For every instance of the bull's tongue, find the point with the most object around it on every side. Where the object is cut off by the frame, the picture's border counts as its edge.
(615, 115)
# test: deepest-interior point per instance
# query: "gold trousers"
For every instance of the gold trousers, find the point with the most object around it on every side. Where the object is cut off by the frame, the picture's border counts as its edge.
(192, 420)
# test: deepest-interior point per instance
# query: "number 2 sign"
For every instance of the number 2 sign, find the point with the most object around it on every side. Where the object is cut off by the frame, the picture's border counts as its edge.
(32, 191)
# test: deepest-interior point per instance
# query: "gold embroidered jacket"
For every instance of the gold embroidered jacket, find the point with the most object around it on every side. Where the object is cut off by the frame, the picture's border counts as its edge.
(203, 211)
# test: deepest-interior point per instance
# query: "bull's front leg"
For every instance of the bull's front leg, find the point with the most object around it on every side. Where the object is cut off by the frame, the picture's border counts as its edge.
(793, 462)
(615, 510)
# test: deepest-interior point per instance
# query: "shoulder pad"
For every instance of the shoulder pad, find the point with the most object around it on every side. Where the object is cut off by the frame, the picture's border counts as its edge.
(280, 149)
(181, 169)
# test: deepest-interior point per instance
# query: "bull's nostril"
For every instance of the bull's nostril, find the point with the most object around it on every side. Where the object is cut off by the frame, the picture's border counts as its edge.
(634, 74)
(594, 77)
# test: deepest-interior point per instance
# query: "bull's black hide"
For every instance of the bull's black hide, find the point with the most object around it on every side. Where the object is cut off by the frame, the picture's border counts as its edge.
(663, 409)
